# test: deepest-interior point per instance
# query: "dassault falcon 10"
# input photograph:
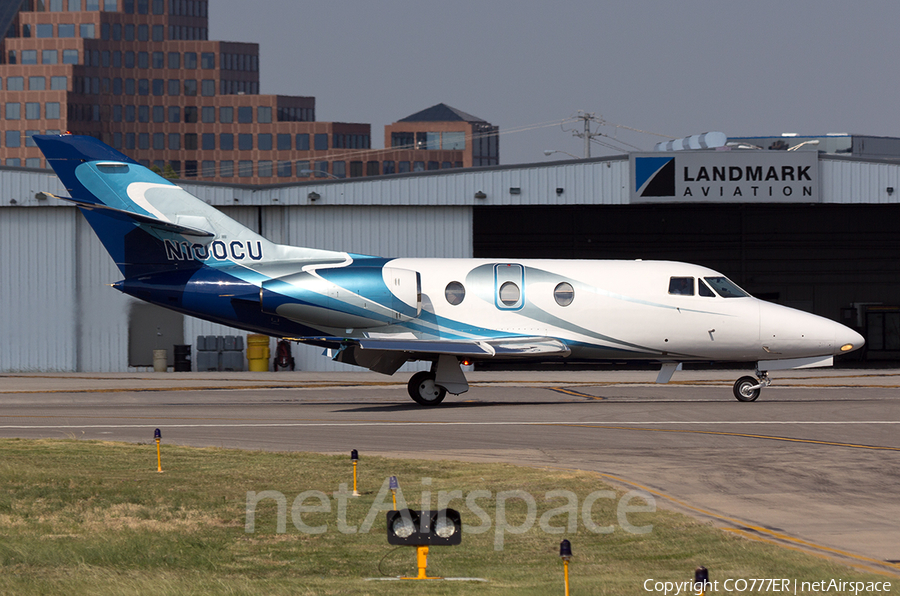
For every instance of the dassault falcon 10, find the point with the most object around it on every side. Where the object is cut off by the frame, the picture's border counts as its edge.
(176, 251)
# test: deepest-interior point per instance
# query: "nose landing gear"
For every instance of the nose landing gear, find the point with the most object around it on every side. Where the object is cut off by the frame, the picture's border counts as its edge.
(748, 388)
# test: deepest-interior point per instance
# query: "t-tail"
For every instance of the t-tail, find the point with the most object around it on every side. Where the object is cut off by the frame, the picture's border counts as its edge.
(147, 223)
(171, 247)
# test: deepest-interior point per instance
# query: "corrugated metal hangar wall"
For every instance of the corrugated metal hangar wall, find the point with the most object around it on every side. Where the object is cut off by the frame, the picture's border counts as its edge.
(59, 314)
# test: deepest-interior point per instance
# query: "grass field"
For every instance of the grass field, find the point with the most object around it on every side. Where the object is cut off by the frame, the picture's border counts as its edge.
(84, 517)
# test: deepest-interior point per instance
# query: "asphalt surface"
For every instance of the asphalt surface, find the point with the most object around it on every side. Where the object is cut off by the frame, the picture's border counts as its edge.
(813, 464)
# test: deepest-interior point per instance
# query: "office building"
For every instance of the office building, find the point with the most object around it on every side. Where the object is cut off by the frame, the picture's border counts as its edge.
(142, 76)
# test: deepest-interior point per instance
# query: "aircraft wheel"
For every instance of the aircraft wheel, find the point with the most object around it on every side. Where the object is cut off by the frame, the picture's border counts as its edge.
(743, 391)
(423, 390)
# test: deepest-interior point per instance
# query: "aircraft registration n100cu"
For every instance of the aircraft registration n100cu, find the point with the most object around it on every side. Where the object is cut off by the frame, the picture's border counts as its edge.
(176, 251)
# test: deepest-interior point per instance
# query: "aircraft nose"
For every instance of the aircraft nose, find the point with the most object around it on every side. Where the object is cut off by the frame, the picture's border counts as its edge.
(786, 331)
(846, 340)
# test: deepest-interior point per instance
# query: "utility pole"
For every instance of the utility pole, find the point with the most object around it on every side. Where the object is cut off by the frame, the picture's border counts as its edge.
(586, 134)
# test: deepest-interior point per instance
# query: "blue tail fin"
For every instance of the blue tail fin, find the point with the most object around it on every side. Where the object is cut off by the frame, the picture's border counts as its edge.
(147, 223)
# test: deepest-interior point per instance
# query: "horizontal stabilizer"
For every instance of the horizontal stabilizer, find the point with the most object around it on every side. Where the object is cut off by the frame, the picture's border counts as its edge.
(153, 222)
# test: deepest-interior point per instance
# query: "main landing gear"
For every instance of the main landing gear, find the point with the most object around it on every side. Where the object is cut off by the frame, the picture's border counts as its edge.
(423, 389)
(748, 388)
(429, 388)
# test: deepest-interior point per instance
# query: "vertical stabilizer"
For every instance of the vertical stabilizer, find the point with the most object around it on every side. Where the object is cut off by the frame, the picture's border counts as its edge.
(149, 224)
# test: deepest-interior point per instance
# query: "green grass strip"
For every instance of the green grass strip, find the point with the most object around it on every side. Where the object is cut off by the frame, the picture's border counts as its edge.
(89, 517)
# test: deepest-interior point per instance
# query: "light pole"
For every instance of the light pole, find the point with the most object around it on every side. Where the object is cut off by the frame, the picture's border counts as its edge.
(549, 152)
(810, 142)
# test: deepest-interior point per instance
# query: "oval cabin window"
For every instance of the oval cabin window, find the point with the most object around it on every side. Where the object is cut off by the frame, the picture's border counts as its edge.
(564, 294)
(509, 294)
(455, 293)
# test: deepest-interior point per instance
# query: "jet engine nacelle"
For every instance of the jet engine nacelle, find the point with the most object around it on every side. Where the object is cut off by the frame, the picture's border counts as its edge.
(346, 297)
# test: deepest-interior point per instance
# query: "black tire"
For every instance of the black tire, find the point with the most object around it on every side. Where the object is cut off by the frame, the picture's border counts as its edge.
(742, 389)
(424, 392)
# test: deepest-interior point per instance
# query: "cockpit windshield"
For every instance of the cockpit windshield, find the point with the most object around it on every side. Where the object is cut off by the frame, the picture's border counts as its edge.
(681, 286)
(726, 288)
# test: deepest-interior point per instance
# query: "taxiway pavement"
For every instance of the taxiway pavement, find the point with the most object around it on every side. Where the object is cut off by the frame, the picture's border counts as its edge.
(814, 463)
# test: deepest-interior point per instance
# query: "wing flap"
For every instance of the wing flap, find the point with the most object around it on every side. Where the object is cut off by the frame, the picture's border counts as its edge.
(529, 347)
(507, 347)
(429, 346)
(387, 355)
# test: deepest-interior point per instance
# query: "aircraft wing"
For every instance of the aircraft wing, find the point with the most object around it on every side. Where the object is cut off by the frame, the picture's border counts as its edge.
(510, 346)
(388, 354)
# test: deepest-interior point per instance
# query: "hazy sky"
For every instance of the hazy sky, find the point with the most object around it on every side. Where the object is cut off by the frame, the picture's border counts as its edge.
(674, 68)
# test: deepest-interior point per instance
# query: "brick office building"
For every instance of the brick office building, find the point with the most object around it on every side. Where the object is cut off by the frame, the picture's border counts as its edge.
(441, 127)
(142, 76)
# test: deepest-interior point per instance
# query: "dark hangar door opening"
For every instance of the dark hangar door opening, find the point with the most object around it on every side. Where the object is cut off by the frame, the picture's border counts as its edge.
(818, 258)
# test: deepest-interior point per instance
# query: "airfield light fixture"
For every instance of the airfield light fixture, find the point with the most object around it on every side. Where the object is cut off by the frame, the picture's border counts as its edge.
(354, 457)
(480, 195)
(701, 579)
(565, 553)
(313, 196)
(408, 527)
(394, 485)
(423, 529)
(157, 435)
(565, 550)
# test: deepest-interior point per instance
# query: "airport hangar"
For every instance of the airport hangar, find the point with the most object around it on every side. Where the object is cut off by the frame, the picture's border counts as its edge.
(815, 228)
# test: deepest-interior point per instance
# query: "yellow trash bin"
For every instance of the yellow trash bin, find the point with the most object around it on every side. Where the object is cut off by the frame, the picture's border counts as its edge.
(258, 352)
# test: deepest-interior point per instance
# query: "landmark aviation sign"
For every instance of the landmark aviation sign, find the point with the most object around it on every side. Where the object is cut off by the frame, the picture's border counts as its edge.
(742, 176)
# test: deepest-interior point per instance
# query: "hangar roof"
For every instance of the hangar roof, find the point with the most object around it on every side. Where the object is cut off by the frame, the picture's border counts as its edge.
(854, 145)
(596, 181)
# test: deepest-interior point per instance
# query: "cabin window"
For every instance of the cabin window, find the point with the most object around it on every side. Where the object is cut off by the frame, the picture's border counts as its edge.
(564, 294)
(725, 288)
(455, 293)
(704, 290)
(509, 286)
(509, 294)
(681, 286)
